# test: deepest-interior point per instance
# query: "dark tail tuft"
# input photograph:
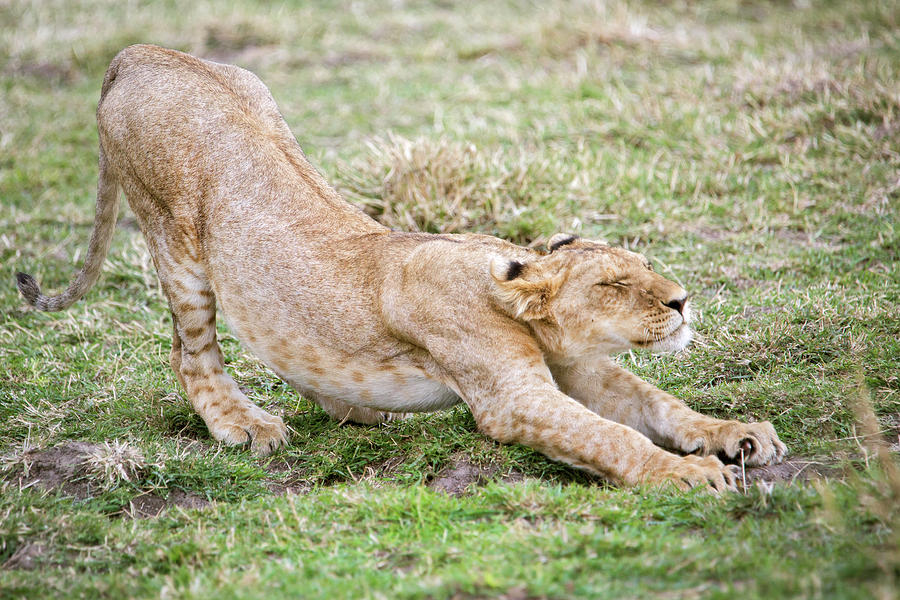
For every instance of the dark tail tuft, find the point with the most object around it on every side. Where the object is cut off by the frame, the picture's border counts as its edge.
(29, 287)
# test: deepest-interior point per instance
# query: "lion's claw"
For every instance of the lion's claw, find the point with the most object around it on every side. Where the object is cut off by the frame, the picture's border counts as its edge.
(687, 472)
(756, 444)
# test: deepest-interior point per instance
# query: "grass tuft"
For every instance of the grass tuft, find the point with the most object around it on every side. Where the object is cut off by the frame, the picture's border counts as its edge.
(115, 462)
(442, 186)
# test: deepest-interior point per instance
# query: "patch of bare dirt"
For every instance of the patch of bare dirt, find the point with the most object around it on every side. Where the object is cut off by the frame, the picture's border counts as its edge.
(711, 234)
(295, 488)
(58, 468)
(457, 476)
(291, 481)
(64, 468)
(26, 556)
(47, 72)
(794, 469)
(152, 505)
(515, 593)
(806, 239)
(461, 472)
(892, 431)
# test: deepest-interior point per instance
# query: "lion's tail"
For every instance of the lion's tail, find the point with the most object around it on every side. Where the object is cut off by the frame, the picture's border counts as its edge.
(104, 226)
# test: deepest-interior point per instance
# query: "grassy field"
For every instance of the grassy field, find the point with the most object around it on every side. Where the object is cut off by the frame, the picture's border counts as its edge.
(752, 149)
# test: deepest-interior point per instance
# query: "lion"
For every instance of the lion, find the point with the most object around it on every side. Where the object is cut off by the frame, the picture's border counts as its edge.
(373, 324)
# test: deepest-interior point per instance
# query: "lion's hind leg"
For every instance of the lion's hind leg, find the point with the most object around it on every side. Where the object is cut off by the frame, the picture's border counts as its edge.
(196, 357)
(230, 416)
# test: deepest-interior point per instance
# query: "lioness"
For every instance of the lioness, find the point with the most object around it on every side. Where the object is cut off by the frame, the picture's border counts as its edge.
(372, 323)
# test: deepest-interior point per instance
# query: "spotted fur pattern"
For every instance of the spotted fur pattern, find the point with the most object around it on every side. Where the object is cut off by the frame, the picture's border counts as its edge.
(370, 323)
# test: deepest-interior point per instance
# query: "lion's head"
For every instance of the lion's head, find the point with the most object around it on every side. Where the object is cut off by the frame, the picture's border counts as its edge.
(586, 298)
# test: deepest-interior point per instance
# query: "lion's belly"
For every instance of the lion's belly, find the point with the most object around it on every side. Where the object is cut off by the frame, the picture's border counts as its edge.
(382, 377)
(384, 392)
(391, 387)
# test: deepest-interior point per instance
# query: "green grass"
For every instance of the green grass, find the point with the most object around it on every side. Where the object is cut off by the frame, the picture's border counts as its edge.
(751, 149)
(528, 540)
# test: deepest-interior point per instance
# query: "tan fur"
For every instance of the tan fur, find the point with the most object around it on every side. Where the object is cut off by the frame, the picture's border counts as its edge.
(372, 323)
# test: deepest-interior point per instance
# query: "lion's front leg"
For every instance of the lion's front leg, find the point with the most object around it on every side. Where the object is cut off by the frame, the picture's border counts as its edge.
(614, 393)
(514, 400)
(543, 418)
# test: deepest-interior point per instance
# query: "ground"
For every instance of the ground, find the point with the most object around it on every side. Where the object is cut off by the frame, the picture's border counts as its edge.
(749, 148)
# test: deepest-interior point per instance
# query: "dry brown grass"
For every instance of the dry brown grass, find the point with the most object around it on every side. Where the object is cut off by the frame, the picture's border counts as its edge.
(113, 462)
(420, 185)
(880, 496)
(877, 494)
(443, 186)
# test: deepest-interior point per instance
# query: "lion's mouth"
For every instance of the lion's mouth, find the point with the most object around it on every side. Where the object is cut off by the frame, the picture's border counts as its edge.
(679, 336)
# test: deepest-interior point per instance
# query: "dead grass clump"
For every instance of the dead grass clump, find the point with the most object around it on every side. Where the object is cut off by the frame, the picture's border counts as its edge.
(112, 463)
(814, 77)
(878, 495)
(421, 185)
(235, 37)
(46, 72)
(883, 495)
(568, 28)
(587, 24)
(442, 186)
(240, 41)
(79, 469)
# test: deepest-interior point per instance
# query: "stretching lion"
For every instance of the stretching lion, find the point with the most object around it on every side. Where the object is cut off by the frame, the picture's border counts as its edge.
(372, 323)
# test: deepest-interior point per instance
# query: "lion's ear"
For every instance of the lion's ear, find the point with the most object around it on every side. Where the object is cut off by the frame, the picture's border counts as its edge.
(523, 288)
(558, 240)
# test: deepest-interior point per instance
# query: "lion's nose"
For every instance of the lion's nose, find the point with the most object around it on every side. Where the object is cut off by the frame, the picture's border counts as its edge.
(677, 304)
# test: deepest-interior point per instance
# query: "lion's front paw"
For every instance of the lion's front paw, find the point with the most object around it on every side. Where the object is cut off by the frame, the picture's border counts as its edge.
(687, 472)
(265, 432)
(759, 442)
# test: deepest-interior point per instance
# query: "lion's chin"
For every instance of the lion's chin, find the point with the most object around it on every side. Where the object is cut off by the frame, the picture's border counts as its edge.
(675, 341)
